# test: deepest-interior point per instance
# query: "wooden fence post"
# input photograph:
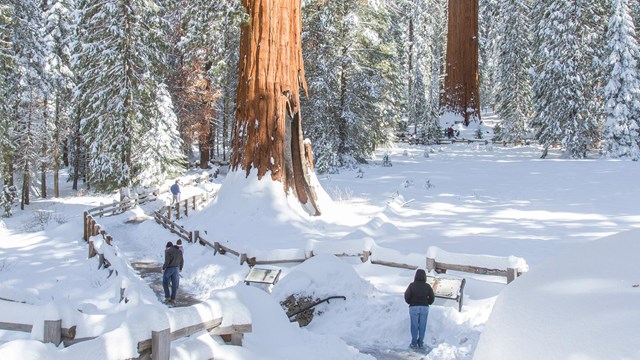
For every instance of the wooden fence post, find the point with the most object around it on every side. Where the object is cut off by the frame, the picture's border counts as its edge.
(161, 344)
(236, 339)
(365, 256)
(431, 264)
(53, 331)
(177, 210)
(169, 209)
(85, 218)
(194, 202)
(92, 249)
(512, 274)
(186, 207)
(95, 228)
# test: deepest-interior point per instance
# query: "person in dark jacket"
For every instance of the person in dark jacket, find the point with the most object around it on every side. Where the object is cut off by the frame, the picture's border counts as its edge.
(419, 295)
(173, 263)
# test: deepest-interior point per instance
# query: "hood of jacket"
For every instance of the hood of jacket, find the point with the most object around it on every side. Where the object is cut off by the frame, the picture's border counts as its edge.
(421, 276)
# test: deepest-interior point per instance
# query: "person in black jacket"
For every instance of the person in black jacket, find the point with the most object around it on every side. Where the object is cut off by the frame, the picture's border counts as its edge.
(173, 262)
(419, 295)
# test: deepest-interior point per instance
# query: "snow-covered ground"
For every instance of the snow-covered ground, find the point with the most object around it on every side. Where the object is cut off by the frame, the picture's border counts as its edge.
(476, 199)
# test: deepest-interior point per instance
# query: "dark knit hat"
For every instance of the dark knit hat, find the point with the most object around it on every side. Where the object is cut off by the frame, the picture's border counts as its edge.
(169, 244)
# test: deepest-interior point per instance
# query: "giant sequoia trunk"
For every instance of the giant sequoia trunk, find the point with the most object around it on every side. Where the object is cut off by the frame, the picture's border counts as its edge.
(268, 131)
(461, 82)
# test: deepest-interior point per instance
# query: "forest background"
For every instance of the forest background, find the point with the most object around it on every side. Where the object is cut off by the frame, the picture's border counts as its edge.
(122, 92)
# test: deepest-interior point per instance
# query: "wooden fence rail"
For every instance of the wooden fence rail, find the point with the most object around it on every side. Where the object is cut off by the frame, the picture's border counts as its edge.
(196, 201)
(159, 345)
(53, 332)
(439, 267)
(167, 223)
(121, 206)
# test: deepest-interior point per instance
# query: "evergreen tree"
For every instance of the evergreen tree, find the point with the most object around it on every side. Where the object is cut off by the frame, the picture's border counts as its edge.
(27, 91)
(488, 52)
(58, 34)
(347, 63)
(622, 93)
(118, 64)
(8, 77)
(420, 40)
(513, 85)
(161, 139)
(566, 77)
(636, 17)
(205, 74)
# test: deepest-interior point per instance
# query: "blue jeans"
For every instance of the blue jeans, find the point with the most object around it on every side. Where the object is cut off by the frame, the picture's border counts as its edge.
(418, 315)
(171, 274)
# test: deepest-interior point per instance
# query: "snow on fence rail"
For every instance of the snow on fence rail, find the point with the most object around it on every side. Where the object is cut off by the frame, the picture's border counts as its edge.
(48, 331)
(158, 345)
(436, 260)
(100, 331)
(119, 207)
(196, 201)
(510, 267)
(172, 226)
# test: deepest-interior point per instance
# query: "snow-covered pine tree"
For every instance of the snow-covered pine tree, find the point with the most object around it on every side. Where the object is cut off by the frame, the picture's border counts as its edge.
(160, 154)
(205, 74)
(622, 92)
(118, 65)
(346, 61)
(58, 34)
(438, 21)
(636, 17)
(419, 58)
(564, 84)
(8, 82)
(488, 51)
(29, 91)
(513, 84)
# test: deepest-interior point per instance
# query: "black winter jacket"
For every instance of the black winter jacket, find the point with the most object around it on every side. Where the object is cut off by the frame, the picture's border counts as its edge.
(419, 293)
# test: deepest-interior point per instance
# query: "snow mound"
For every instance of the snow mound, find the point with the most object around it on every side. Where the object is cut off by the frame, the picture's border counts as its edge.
(322, 276)
(582, 305)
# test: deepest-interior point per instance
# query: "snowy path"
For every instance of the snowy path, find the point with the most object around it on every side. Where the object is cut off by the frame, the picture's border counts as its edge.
(395, 354)
(152, 274)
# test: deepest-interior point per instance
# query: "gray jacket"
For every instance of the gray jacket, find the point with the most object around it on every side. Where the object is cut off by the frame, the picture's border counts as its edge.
(173, 258)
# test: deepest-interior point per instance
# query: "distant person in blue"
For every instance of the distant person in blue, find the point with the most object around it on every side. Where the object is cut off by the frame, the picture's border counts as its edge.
(173, 263)
(419, 295)
(175, 191)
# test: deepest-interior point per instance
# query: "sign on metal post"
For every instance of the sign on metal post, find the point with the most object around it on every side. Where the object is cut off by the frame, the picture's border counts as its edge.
(262, 276)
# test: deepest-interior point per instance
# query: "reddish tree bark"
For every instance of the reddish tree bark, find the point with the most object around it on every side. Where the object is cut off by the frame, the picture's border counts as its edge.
(461, 82)
(268, 129)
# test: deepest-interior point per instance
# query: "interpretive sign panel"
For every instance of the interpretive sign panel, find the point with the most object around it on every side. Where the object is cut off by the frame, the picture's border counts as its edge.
(262, 276)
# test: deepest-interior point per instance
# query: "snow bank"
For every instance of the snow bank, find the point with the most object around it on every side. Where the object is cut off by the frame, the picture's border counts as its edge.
(582, 305)
(274, 337)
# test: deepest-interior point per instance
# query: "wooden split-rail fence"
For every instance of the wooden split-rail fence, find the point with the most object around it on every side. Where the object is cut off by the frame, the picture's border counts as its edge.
(445, 287)
(366, 255)
(53, 332)
(156, 346)
(164, 215)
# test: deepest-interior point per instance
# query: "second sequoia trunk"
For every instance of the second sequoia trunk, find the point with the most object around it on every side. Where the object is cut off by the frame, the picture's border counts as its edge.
(461, 82)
